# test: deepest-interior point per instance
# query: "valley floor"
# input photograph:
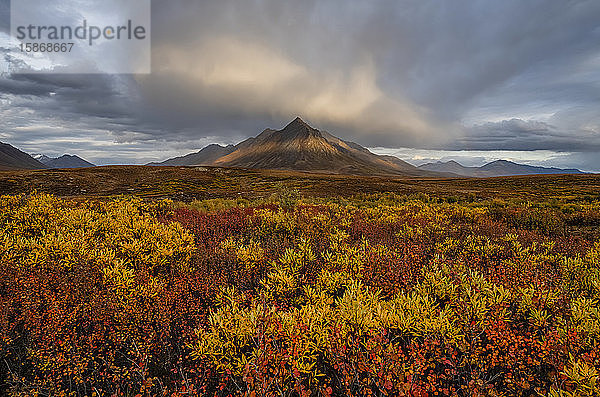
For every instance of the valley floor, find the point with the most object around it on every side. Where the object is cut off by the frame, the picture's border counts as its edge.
(189, 183)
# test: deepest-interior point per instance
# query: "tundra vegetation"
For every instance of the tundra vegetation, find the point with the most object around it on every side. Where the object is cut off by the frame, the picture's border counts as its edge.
(379, 294)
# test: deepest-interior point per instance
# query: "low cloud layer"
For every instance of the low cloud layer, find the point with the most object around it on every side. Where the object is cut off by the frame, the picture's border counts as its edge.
(463, 75)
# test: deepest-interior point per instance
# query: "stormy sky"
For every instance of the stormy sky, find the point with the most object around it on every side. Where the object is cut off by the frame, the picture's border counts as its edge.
(474, 81)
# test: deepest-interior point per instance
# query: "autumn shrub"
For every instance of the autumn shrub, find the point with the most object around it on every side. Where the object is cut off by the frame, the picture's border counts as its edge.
(214, 205)
(383, 295)
(92, 295)
(545, 220)
(285, 196)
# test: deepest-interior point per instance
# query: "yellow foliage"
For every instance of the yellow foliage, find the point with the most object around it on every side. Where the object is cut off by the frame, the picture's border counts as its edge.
(118, 237)
(584, 380)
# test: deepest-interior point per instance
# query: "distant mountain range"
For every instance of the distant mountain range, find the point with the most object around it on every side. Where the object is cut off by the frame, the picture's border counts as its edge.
(12, 158)
(495, 168)
(300, 147)
(65, 161)
(297, 147)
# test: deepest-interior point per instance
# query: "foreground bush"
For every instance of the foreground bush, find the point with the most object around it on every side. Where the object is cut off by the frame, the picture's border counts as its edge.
(379, 296)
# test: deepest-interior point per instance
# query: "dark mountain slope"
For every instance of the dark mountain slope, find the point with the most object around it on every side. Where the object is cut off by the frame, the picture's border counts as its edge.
(12, 158)
(206, 156)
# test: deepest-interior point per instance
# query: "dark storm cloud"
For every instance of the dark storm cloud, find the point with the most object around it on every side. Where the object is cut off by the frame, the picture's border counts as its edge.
(435, 63)
(20, 86)
(517, 134)
(465, 74)
(466, 49)
(69, 96)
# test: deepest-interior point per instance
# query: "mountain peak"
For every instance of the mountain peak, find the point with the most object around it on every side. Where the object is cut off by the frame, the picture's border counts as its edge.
(299, 129)
(298, 121)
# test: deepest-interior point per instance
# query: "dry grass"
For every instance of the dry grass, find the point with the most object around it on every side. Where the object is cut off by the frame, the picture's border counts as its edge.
(198, 183)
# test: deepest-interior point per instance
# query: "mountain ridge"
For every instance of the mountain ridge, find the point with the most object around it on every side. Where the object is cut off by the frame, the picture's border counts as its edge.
(64, 161)
(205, 156)
(495, 168)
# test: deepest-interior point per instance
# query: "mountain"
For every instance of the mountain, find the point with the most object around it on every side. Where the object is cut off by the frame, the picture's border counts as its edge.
(65, 161)
(12, 158)
(450, 166)
(206, 156)
(300, 147)
(495, 168)
(503, 167)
